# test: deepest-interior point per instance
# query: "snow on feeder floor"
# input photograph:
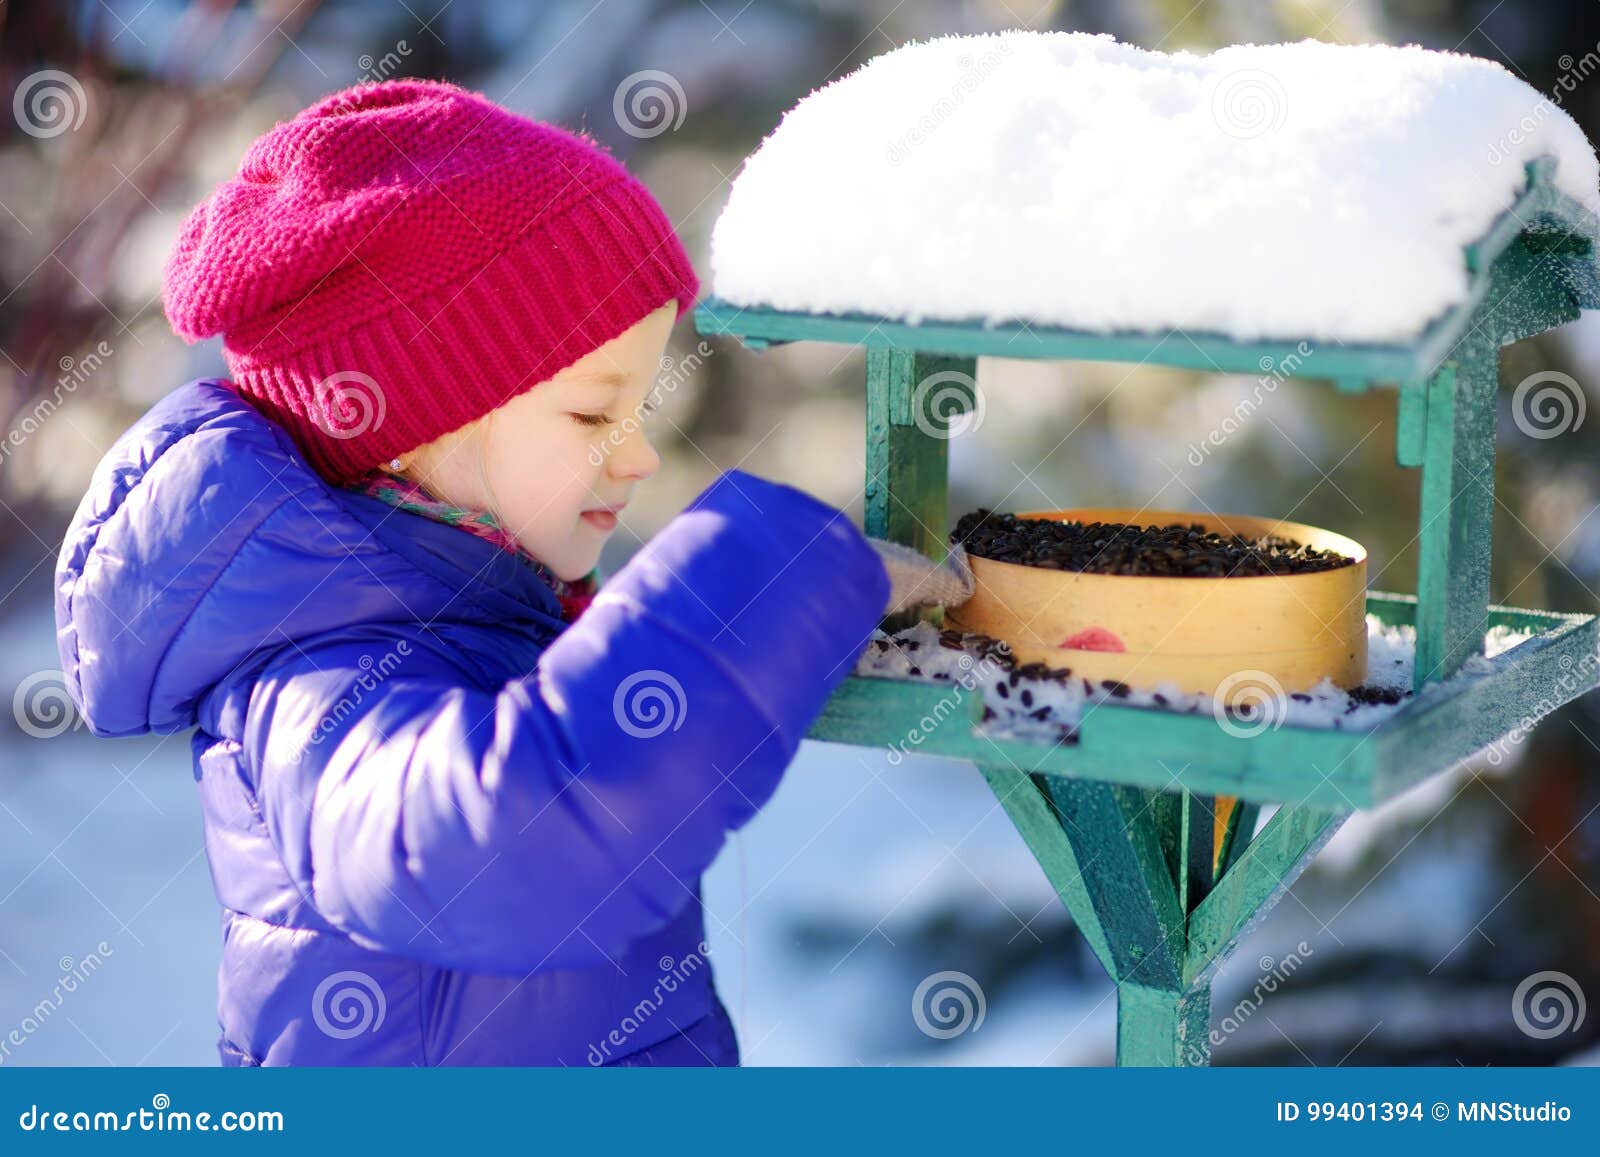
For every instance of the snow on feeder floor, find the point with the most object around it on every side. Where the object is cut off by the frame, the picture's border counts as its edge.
(1034, 701)
(1212, 604)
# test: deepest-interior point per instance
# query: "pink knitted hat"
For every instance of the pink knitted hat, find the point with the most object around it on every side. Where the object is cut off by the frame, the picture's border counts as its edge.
(403, 257)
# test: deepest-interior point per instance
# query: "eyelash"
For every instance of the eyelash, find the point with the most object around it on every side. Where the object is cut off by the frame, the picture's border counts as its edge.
(594, 420)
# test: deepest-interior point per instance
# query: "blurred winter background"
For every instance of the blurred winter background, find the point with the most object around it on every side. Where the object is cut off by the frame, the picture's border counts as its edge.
(861, 879)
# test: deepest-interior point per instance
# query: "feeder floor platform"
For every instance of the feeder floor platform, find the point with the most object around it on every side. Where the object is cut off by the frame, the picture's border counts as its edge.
(1489, 700)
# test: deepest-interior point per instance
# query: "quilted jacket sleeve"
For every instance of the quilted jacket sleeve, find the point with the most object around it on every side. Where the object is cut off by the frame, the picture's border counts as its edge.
(549, 823)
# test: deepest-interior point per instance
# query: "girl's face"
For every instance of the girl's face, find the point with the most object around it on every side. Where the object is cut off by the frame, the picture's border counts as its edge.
(556, 462)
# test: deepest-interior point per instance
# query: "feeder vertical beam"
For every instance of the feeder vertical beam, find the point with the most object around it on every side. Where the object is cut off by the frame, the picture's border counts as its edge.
(1457, 509)
(1411, 423)
(915, 404)
(1163, 1028)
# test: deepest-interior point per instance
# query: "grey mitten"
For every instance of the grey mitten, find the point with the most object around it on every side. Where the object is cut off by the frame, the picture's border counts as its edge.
(915, 579)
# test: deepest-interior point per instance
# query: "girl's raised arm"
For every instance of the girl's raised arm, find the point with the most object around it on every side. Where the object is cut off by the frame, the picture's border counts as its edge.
(556, 819)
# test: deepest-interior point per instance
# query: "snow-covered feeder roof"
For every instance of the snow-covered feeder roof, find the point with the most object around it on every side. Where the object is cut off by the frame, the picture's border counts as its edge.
(1258, 193)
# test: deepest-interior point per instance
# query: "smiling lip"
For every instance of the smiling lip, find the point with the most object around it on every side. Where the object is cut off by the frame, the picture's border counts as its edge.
(605, 517)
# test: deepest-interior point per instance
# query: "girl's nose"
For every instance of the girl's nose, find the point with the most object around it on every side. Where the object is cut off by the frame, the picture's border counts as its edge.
(636, 458)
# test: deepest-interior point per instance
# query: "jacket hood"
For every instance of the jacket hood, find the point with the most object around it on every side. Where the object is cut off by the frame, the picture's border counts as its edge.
(205, 543)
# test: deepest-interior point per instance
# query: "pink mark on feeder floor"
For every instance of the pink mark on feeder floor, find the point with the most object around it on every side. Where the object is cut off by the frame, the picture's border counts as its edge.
(1093, 639)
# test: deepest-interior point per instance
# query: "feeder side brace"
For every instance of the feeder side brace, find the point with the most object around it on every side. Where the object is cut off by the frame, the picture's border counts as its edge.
(1144, 822)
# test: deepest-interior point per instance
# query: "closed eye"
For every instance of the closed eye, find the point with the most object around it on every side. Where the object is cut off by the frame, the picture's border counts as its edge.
(593, 419)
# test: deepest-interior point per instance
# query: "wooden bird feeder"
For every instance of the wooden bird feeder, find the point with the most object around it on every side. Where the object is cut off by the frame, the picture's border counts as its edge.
(1125, 822)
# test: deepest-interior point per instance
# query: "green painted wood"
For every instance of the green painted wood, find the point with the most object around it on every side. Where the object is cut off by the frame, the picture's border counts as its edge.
(1456, 510)
(1541, 212)
(1165, 811)
(1273, 765)
(1494, 706)
(1163, 1028)
(1411, 426)
(1351, 362)
(1582, 278)
(1026, 799)
(1249, 889)
(912, 401)
(1197, 846)
(1392, 609)
(1530, 291)
(1236, 838)
(1165, 750)
(1125, 874)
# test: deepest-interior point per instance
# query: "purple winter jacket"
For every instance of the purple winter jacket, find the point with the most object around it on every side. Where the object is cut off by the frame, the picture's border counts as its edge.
(445, 827)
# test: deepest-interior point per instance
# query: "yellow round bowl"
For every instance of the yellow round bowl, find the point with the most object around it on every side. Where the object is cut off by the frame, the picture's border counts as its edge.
(1206, 635)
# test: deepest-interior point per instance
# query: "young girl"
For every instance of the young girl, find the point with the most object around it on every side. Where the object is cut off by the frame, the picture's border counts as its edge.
(457, 803)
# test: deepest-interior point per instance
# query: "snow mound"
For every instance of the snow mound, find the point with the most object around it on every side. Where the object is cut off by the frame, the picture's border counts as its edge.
(1306, 190)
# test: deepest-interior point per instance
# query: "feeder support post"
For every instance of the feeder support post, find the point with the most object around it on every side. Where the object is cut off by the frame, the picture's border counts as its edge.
(915, 404)
(1457, 508)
